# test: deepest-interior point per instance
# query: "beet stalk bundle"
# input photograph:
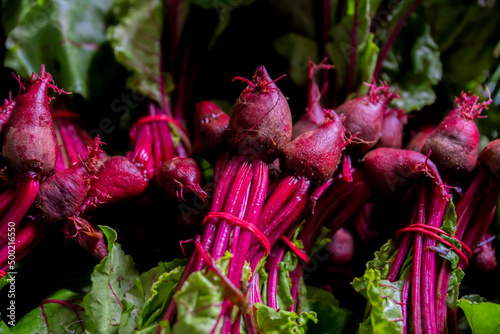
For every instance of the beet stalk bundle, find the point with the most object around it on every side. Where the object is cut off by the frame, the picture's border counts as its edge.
(411, 268)
(259, 127)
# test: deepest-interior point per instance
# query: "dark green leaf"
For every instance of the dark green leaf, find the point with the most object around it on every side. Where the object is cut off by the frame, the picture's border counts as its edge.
(65, 36)
(297, 49)
(60, 318)
(483, 317)
(136, 43)
(413, 65)
(331, 317)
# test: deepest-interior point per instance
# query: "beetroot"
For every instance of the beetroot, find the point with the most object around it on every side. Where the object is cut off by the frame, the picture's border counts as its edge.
(62, 193)
(341, 248)
(5, 112)
(29, 143)
(392, 128)
(117, 181)
(391, 170)
(210, 123)
(314, 114)
(315, 154)
(418, 140)
(454, 144)
(179, 177)
(364, 117)
(261, 122)
(490, 158)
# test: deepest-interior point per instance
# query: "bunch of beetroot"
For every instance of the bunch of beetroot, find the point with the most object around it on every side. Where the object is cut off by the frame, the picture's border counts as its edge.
(280, 193)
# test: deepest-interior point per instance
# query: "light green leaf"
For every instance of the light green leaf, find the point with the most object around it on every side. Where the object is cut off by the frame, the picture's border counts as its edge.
(483, 316)
(111, 279)
(271, 321)
(384, 303)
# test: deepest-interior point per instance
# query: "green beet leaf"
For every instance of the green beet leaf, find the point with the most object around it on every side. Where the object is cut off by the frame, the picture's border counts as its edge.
(59, 318)
(112, 278)
(483, 316)
(271, 321)
(68, 37)
(331, 317)
(413, 65)
(384, 313)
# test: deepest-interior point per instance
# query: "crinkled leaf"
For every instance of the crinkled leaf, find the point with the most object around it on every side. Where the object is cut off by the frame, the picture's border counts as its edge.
(199, 301)
(382, 258)
(112, 278)
(285, 267)
(67, 36)
(331, 317)
(413, 65)
(449, 225)
(322, 240)
(297, 49)
(271, 321)
(456, 277)
(384, 311)
(60, 318)
(160, 292)
(136, 44)
(483, 316)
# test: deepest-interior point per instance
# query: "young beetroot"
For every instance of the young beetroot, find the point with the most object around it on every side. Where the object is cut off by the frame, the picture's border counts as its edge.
(29, 142)
(178, 177)
(261, 122)
(62, 193)
(454, 143)
(364, 117)
(392, 128)
(364, 120)
(210, 123)
(5, 111)
(314, 113)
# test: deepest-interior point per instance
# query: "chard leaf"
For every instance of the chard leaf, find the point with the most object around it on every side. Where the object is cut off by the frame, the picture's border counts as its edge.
(331, 317)
(160, 292)
(271, 321)
(322, 240)
(413, 65)
(67, 36)
(456, 277)
(298, 49)
(199, 301)
(342, 51)
(136, 43)
(382, 259)
(384, 313)
(112, 278)
(60, 318)
(483, 316)
(449, 225)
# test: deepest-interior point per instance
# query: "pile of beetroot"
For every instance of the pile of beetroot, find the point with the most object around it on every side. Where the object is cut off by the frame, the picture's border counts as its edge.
(280, 194)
